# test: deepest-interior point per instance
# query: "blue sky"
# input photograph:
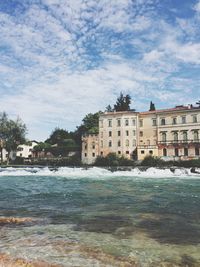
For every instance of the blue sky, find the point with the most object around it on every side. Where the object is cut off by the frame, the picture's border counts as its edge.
(61, 59)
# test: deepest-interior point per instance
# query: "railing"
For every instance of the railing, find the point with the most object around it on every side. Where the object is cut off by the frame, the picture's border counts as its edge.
(188, 141)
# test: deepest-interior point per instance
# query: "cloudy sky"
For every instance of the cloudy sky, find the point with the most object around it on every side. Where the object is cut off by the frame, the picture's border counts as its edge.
(61, 59)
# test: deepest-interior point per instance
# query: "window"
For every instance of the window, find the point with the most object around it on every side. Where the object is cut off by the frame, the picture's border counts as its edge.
(20, 155)
(196, 136)
(20, 149)
(185, 151)
(101, 143)
(164, 137)
(142, 151)
(133, 122)
(110, 133)
(175, 136)
(127, 142)
(119, 143)
(185, 136)
(183, 119)
(93, 145)
(85, 154)
(162, 122)
(118, 122)
(176, 152)
(141, 134)
(30, 149)
(109, 123)
(151, 152)
(119, 133)
(174, 121)
(134, 142)
(110, 143)
(101, 134)
(119, 152)
(127, 133)
(141, 123)
(164, 152)
(154, 122)
(134, 132)
(127, 152)
(148, 142)
(93, 154)
(101, 153)
(126, 122)
(196, 151)
(194, 118)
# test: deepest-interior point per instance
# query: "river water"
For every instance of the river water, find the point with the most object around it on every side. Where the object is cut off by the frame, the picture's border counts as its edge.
(76, 217)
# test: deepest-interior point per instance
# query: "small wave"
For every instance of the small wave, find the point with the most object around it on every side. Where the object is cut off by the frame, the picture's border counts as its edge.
(100, 173)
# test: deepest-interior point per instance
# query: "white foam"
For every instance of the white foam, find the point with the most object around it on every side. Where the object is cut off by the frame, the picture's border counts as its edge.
(95, 172)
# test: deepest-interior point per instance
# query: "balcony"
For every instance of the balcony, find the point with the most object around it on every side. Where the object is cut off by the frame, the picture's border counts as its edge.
(178, 142)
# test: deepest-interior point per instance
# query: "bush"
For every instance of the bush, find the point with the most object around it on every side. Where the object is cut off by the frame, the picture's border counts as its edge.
(152, 161)
(113, 160)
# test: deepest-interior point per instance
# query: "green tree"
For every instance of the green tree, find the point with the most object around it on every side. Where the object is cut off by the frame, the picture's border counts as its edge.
(123, 103)
(12, 133)
(109, 108)
(152, 106)
(60, 137)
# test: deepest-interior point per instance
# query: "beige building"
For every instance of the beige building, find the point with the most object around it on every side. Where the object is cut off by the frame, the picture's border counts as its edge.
(171, 134)
(90, 148)
(118, 133)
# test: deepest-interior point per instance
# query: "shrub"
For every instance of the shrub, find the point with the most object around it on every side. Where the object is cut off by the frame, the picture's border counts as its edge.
(113, 160)
(152, 161)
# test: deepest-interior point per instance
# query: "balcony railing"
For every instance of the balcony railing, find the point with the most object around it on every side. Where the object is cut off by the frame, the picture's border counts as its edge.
(188, 141)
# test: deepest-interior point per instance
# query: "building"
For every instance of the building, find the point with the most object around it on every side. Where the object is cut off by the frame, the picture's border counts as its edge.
(171, 134)
(90, 148)
(118, 133)
(25, 150)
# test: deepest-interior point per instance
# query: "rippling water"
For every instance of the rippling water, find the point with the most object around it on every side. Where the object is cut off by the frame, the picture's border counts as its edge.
(98, 218)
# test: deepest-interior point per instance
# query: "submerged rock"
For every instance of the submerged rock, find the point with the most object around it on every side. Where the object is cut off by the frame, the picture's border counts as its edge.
(15, 220)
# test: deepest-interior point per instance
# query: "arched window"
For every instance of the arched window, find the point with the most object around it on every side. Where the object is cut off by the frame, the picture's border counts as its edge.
(185, 151)
(164, 137)
(196, 136)
(119, 143)
(175, 136)
(176, 152)
(127, 142)
(196, 151)
(185, 136)
(164, 152)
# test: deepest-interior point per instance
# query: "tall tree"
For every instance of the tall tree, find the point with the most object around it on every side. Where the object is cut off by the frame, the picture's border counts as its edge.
(12, 133)
(123, 103)
(109, 108)
(59, 137)
(152, 106)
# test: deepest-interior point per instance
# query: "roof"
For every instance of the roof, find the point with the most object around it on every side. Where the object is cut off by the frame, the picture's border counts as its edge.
(177, 108)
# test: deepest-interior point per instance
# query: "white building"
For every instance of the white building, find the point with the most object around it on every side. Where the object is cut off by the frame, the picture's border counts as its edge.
(25, 150)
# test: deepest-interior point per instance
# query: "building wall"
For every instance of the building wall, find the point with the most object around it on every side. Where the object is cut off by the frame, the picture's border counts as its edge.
(180, 136)
(147, 135)
(118, 133)
(170, 134)
(25, 151)
(90, 148)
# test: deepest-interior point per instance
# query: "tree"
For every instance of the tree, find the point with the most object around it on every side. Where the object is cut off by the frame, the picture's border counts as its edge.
(12, 133)
(123, 103)
(59, 137)
(109, 108)
(152, 106)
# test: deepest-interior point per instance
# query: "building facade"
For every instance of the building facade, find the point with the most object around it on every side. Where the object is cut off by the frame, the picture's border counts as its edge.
(25, 150)
(171, 134)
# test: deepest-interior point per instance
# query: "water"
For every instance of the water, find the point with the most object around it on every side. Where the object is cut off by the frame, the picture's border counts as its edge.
(76, 217)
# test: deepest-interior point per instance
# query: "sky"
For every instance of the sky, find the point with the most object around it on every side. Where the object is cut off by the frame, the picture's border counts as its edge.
(62, 59)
